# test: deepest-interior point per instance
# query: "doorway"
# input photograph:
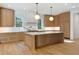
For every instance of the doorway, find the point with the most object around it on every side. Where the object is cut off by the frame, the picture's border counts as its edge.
(76, 25)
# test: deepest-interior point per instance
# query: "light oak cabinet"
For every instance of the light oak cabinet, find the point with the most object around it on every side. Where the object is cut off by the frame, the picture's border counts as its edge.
(49, 39)
(41, 40)
(62, 20)
(37, 41)
(11, 37)
(6, 17)
(65, 23)
(48, 23)
(55, 22)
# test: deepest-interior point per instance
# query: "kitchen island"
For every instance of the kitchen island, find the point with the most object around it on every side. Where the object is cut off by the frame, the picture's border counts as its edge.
(32, 38)
(39, 39)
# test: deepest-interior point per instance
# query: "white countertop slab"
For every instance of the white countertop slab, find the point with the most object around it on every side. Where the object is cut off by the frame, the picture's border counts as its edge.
(21, 29)
(43, 32)
(11, 29)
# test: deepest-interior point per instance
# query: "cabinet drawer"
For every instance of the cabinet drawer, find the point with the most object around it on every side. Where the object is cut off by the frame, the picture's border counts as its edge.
(4, 39)
(43, 40)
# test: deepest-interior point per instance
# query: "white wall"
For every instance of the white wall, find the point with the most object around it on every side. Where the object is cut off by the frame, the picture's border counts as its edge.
(71, 25)
(29, 16)
(76, 26)
(72, 22)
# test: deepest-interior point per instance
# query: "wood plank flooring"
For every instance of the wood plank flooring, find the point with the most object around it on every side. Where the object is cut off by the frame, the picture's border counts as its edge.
(19, 48)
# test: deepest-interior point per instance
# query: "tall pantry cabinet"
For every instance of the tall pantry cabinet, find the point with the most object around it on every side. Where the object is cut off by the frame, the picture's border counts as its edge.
(62, 20)
(6, 17)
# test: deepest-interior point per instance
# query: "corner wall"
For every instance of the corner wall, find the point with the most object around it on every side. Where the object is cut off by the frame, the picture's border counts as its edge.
(73, 11)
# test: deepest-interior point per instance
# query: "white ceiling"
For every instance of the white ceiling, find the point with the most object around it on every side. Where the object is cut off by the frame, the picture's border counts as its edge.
(44, 8)
(24, 9)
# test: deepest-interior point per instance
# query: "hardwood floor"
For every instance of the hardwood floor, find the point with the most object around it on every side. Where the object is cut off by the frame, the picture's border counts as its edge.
(14, 48)
(19, 48)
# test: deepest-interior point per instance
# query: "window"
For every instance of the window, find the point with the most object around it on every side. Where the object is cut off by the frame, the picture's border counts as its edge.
(18, 22)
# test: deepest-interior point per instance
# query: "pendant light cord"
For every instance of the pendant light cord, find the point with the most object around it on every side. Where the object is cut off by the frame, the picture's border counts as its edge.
(51, 10)
(36, 8)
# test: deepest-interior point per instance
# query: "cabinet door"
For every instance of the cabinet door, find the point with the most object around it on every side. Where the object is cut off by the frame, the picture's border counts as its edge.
(7, 17)
(30, 41)
(48, 23)
(57, 21)
(3, 17)
(41, 40)
(10, 18)
(65, 23)
(0, 17)
(66, 30)
(49, 39)
(55, 38)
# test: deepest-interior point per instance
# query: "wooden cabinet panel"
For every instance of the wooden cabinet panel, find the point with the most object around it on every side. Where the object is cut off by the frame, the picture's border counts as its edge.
(3, 17)
(48, 23)
(30, 41)
(10, 18)
(66, 30)
(57, 21)
(48, 39)
(56, 38)
(54, 23)
(0, 17)
(62, 20)
(6, 17)
(65, 23)
(41, 40)
(11, 37)
(37, 41)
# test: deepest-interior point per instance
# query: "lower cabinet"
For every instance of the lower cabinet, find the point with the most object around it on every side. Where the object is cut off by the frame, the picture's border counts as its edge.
(30, 41)
(48, 39)
(41, 40)
(37, 41)
(11, 37)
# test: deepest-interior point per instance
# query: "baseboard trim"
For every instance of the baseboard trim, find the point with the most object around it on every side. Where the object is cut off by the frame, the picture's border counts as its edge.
(66, 38)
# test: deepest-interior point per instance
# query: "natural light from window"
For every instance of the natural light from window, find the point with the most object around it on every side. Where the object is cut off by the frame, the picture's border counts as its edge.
(68, 41)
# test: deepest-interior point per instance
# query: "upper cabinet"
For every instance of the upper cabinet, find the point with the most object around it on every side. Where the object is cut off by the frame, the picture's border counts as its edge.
(6, 17)
(48, 23)
(56, 21)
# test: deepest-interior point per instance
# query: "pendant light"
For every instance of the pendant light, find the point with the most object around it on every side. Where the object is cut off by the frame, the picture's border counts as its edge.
(51, 18)
(37, 17)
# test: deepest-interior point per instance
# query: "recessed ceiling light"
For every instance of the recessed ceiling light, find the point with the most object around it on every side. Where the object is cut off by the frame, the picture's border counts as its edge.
(73, 7)
(24, 8)
(66, 4)
(9, 6)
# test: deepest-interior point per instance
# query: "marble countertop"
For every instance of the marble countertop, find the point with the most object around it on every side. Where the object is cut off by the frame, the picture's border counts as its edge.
(43, 32)
(30, 32)
(11, 29)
